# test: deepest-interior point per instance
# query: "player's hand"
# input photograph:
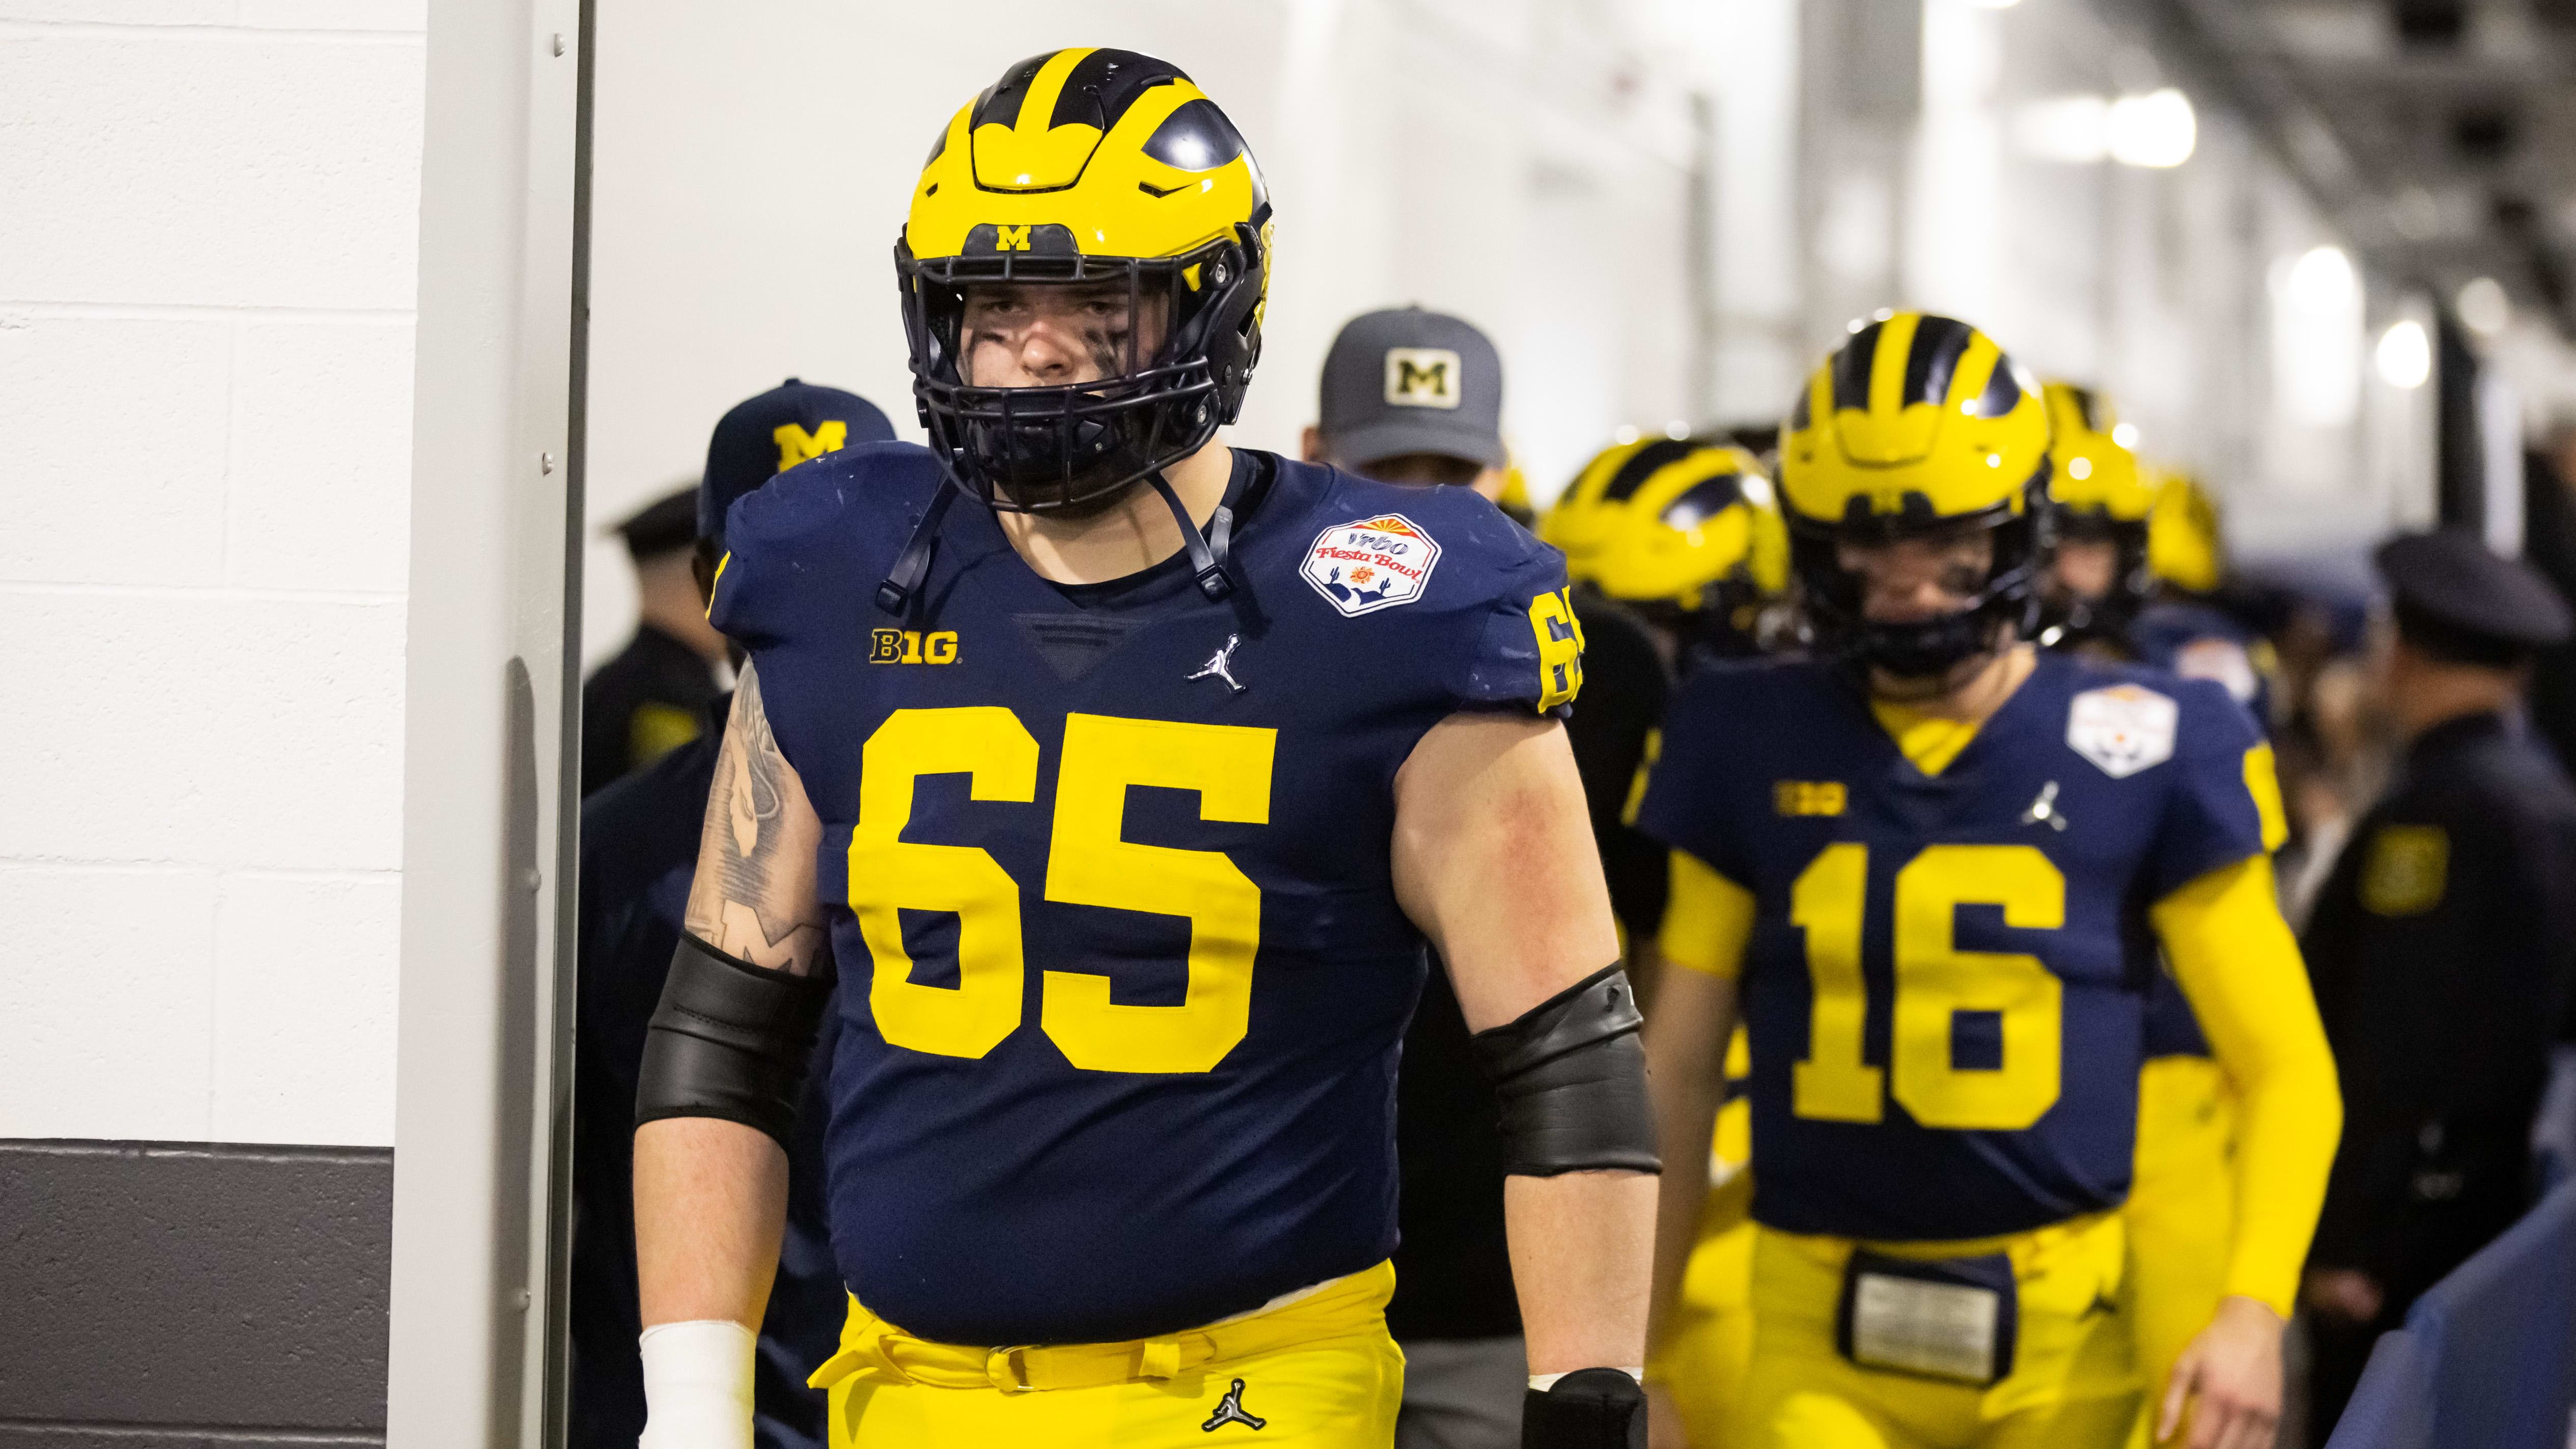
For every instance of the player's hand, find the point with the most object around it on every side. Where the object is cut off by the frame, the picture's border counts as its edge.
(1663, 1419)
(2230, 1376)
(2347, 1295)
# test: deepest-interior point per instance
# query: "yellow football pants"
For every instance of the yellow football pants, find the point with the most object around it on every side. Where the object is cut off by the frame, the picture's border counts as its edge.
(2181, 1214)
(2072, 1385)
(1703, 1364)
(1319, 1373)
(1703, 1359)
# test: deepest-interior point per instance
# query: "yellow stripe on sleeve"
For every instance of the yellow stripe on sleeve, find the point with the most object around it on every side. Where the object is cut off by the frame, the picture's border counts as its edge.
(1708, 919)
(2263, 782)
(2239, 966)
(717, 582)
(1645, 774)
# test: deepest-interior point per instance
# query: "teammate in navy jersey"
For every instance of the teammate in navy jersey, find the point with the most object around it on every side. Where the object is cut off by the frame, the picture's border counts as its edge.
(1127, 775)
(1930, 860)
(2101, 602)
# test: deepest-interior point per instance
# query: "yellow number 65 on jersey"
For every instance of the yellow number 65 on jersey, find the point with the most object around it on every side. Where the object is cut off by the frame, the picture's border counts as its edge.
(1089, 863)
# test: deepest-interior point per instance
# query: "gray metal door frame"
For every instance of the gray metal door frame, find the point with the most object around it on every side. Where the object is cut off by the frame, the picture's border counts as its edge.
(490, 768)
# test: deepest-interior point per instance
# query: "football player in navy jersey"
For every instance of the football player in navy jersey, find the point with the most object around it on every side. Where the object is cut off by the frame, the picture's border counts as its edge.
(2100, 601)
(1127, 775)
(1920, 864)
(2136, 560)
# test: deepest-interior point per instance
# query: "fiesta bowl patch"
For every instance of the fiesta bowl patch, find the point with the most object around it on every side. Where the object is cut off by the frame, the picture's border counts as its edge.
(1374, 563)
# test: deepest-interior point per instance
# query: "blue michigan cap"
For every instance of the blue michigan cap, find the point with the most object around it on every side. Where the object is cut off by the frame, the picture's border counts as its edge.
(766, 435)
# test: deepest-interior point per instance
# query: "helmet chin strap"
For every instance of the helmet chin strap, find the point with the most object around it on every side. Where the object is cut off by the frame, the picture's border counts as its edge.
(901, 587)
(1210, 553)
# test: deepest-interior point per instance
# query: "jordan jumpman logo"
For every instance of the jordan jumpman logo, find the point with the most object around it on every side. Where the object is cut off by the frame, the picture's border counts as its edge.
(2044, 810)
(1229, 1410)
(1220, 665)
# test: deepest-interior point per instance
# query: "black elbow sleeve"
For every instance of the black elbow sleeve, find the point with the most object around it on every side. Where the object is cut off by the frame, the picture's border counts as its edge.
(1570, 1076)
(729, 1040)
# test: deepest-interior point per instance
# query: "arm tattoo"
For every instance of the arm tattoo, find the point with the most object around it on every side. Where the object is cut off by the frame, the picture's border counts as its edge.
(754, 893)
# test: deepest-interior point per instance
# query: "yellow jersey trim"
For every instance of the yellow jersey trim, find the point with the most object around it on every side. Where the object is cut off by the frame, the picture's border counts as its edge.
(716, 583)
(1707, 920)
(2263, 782)
(1930, 741)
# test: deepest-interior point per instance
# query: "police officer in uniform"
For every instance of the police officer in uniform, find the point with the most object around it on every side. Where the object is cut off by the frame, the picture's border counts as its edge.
(649, 697)
(639, 846)
(2442, 948)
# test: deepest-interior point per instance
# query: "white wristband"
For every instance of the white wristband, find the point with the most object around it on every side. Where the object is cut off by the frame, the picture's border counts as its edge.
(1545, 1382)
(697, 1384)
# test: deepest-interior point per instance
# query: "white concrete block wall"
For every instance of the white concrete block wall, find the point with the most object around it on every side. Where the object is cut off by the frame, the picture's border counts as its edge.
(208, 261)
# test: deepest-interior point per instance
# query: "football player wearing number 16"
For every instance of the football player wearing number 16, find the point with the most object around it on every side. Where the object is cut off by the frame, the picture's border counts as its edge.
(1928, 865)
(1127, 775)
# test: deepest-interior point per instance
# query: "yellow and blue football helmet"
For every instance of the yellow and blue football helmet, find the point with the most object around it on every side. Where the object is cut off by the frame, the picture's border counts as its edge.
(2097, 492)
(1087, 165)
(2185, 547)
(1917, 426)
(1585, 515)
(1698, 548)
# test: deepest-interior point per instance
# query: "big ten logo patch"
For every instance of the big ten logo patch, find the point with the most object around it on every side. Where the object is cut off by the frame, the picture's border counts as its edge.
(1808, 797)
(1374, 563)
(911, 646)
(795, 445)
(1422, 377)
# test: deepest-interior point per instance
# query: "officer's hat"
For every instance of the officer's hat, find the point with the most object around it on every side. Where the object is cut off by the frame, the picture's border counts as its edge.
(665, 525)
(766, 435)
(2458, 600)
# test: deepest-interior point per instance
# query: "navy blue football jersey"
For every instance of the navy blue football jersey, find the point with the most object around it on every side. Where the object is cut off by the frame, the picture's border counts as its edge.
(2196, 641)
(1944, 983)
(1122, 970)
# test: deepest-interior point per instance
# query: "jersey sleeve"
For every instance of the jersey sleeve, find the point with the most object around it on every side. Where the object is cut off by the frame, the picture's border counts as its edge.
(2223, 803)
(1709, 920)
(790, 542)
(1684, 805)
(2239, 966)
(1523, 648)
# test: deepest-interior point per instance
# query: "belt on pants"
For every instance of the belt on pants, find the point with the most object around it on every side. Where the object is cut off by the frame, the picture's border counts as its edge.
(872, 1346)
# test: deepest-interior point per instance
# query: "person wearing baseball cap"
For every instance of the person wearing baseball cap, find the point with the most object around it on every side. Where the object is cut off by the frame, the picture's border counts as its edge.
(1414, 396)
(651, 697)
(2444, 952)
(764, 436)
(639, 846)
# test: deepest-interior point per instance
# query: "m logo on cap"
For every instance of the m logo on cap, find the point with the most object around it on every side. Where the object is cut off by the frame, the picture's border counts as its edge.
(795, 445)
(1422, 377)
(1010, 238)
